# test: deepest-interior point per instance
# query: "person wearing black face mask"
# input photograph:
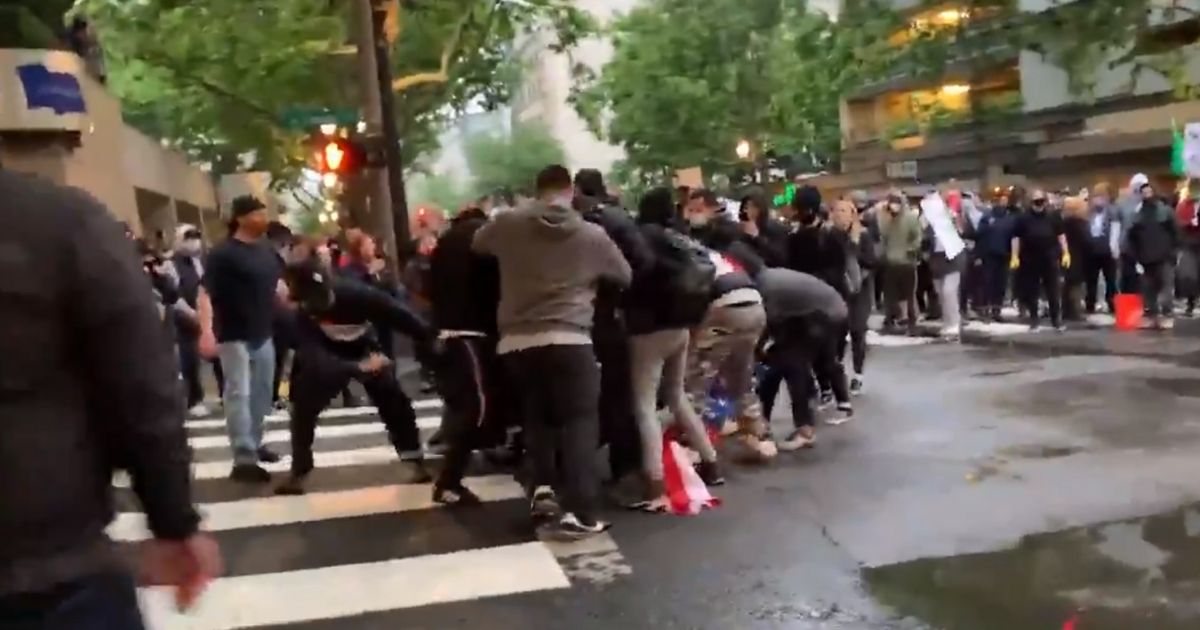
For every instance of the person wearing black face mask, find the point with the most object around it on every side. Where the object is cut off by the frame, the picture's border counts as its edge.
(1039, 247)
(816, 248)
(336, 344)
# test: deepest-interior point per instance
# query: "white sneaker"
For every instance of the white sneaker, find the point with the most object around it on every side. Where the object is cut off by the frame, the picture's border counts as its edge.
(199, 410)
(949, 334)
(1166, 323)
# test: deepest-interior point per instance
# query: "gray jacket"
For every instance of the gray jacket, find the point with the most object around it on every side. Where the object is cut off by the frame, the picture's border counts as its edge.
(551, 262)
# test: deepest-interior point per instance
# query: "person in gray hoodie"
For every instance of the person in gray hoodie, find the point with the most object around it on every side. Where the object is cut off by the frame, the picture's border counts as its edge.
(552, 262)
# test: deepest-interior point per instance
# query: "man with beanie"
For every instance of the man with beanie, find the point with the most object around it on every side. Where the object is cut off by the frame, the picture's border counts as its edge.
(610, 339)
(815, 248)
(236, 308)
(551, 264)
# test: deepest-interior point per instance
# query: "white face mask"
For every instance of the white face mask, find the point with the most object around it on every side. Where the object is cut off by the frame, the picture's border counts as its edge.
(191, 247)
(698, 220)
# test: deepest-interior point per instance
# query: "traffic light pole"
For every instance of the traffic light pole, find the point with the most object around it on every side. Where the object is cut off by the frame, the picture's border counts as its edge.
(379, 215)
(391, 136)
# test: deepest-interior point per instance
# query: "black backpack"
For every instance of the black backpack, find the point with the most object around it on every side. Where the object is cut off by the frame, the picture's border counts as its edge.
(685, 272)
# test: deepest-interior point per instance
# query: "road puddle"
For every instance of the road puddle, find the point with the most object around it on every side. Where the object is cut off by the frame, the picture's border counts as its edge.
(1139, 574)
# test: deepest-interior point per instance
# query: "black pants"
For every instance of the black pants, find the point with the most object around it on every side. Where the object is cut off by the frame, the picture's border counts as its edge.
(107, 601)
(559, 390)
(900, 284)
(927, 297)
(1096, 265)
(1037, 279)
(995, 281)
(971, 291)
(860, 312)
(189, 366)
(467, 383)
(618, 424)
(803, 347)
(1130, 281)
(315, 383)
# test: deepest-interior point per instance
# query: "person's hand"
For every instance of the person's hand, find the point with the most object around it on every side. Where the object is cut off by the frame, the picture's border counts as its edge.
(376, 266)
(188, 565)
(1140, 269)
(374, 363)
(750, 228)
(1015, 261)
(207, 344)
(1066, 259)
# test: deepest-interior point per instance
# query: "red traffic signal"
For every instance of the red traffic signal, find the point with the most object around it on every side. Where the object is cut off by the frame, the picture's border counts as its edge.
(338, 155)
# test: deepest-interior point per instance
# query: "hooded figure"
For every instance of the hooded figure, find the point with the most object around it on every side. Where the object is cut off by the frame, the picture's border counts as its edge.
(551, 263)
(815, 247)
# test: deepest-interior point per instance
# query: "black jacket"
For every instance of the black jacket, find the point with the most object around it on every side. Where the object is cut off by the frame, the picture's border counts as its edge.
(87, 386)
(820, 251)
(1154, 235)
(623, 231)
(771, 242)
(465, 287)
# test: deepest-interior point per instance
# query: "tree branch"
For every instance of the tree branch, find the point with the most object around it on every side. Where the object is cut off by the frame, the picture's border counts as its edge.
(442, 74)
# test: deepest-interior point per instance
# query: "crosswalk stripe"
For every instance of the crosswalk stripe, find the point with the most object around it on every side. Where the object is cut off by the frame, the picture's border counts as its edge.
(322, 459)
(342, 591)
(432, 406)
(346, 430)
(283, 510)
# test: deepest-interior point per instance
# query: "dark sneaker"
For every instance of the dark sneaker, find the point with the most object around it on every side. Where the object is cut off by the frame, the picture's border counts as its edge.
(294, 486)
(267, 456)
(571, 528)
(710, 473)
(856, 386)
(418, 472)
(825, 400)
(544, 504)
(797, 440)
(249, 473)
(457, 496)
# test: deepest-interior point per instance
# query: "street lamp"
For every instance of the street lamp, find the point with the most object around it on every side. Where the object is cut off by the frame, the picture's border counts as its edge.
(743, 149)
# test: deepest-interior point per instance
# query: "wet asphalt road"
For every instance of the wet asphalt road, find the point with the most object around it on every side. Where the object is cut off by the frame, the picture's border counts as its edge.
(917, 513)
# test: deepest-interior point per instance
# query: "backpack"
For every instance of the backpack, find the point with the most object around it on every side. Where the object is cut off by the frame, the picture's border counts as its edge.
(686, 274)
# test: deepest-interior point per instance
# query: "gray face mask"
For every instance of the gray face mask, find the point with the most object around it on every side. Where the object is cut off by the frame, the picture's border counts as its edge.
(191, 247)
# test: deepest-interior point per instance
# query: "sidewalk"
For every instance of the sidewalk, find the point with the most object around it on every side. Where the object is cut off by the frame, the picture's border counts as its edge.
(1095, 336)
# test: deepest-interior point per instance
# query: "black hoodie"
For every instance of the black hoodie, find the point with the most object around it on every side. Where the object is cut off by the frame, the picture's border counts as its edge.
(465, 286)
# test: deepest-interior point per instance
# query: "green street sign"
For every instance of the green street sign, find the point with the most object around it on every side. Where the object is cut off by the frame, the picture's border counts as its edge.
(303, 118)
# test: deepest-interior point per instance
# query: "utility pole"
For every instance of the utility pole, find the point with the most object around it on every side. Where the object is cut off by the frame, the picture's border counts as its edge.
(391, 136)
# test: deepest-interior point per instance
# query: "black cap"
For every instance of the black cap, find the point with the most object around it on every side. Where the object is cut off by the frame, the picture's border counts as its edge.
(244, 205)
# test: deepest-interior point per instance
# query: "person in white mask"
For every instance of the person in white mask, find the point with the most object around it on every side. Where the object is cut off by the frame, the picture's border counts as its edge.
(189, 268)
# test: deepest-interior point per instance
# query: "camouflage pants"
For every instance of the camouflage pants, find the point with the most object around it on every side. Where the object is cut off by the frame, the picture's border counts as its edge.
(723, 346)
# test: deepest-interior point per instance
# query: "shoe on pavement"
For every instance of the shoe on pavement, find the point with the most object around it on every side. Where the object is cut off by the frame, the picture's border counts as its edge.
(1166, 323)
(570, 528)
(418, 472)
(845, 413)
(949, 334)
(293, 486)
(249, 473)
(797, 440)
(653, 497)
(544, 504)
(199, 410)
(267, 456)
(825, 400)
(710, 474)
(459, 496)
(856, 386)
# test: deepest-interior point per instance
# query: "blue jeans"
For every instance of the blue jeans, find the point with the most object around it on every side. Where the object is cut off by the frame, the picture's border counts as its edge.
(249, 376)
(100, 602)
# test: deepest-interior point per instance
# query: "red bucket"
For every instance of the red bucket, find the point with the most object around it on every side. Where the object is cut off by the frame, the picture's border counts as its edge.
(1129, 311)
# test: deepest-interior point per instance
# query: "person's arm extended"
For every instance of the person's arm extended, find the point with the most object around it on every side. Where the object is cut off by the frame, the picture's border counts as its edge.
(131, 371)
(385, 309)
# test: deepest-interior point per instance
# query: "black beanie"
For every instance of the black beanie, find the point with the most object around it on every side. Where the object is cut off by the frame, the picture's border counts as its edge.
(807, 198)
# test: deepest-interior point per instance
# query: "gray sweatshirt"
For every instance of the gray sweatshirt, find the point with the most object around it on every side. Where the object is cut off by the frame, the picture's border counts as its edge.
(551, 261)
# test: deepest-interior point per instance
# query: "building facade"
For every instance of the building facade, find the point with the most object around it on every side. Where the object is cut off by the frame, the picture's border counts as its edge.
(1008, 116)
(58, 122)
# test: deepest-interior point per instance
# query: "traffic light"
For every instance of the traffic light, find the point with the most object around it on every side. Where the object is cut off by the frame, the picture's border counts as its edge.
(339, 156)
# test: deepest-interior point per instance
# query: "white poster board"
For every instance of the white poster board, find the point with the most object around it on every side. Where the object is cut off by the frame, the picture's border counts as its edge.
(942, 223)
(1191, 149)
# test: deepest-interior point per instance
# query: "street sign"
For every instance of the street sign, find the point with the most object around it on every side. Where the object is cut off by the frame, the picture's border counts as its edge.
(304, 118)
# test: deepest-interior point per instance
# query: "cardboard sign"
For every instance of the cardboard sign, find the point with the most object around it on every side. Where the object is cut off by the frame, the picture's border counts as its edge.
(691, 177)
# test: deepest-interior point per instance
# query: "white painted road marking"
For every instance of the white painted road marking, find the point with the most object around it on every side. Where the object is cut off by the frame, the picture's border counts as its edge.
(433, 404)
(336, 431)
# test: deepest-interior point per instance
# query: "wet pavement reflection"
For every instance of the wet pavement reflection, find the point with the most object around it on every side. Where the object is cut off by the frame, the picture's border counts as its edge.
(1139, 574)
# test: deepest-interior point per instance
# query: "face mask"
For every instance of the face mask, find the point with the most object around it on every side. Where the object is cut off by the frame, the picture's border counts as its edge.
(191, 247)
(893, 208)
(1039, 206)
(564, 200)
(698, 220)
(1100, 202)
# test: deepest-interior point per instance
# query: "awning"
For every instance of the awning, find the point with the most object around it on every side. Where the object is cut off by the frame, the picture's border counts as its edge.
(1107, 144)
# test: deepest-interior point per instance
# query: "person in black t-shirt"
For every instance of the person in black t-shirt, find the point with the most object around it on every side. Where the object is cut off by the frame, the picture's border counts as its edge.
(236, 308)
(1039, 247)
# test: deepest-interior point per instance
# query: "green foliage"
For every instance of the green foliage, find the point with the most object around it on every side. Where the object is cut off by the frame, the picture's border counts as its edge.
(442, 191)
(511, 162)
(690, 78)
(214, 77)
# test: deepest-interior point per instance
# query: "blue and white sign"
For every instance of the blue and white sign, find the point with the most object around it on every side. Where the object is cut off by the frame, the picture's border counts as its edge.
(57, 91)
